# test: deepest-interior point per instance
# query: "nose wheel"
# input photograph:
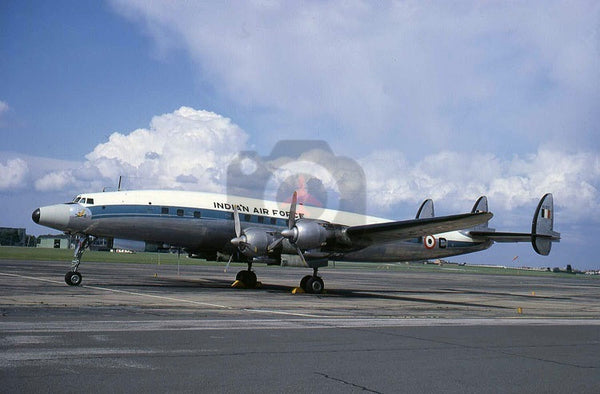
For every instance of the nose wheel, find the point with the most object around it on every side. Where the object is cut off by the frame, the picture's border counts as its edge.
(73, 278)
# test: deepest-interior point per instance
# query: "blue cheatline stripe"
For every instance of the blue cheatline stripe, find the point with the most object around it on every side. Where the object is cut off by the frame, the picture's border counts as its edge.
(155, 211)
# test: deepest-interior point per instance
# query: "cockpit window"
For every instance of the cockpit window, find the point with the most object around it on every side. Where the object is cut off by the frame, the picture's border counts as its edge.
(76, 199)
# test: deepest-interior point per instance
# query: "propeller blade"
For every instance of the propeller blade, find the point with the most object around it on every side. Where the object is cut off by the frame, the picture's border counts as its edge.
(229, 262)
(236, 221)
(301, 255)
(274, 244)
(292, 219)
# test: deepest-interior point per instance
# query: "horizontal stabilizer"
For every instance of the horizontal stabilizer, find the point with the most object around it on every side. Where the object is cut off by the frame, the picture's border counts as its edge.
(542, 234)
(498, 236)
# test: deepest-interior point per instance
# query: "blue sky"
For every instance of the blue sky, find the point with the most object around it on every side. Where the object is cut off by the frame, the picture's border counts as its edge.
(444, 100)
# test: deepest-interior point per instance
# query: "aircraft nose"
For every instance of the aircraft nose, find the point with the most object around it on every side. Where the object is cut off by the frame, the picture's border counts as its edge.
(35, 216)
(54, 216)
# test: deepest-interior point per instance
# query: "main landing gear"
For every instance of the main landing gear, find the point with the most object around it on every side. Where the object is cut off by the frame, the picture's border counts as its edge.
(73, 277)
(313, 283)
(310, 283)
(247, 278)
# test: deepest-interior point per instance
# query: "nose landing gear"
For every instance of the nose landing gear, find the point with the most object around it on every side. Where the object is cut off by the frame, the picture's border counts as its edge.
(73, 277)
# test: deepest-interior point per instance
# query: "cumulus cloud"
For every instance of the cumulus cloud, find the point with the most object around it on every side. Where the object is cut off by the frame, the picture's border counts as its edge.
(199, 150)
(13, 174)
(186, 149)
(54, 181)
(434, 75)
(458, 178)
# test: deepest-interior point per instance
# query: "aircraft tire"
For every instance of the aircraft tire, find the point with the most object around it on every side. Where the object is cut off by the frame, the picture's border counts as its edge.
(73, 278)
(304, 281)
(315, 285)
(248, 278)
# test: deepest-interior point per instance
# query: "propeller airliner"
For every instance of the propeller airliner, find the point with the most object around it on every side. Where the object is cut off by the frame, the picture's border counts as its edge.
(259, 231)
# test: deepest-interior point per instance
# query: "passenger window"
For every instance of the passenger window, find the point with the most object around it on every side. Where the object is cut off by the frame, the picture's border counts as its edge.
(165, 210)
(197, 214)
(273, 221)
(247, 218)
(90, 200)
(261, 219)
(180, 212)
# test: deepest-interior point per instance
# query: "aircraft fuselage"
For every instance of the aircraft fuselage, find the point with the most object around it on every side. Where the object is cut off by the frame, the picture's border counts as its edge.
(203, 223)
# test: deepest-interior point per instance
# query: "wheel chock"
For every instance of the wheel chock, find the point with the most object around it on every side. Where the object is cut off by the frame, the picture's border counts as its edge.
(298, 290)
(238, 284)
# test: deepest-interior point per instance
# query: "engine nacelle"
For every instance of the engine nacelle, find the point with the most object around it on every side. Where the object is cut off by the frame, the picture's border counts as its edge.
(256, 241)
(309, 234)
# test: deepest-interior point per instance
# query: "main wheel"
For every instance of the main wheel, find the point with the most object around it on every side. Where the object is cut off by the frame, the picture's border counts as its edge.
(304, 281)
(248, 278)
(73, 278)
(315, 285)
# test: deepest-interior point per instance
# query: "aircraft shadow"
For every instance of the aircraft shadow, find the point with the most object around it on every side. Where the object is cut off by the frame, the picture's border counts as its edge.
(367, 295)
(399, 295)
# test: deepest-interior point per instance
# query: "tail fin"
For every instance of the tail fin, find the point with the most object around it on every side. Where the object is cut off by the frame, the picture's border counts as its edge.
(481, 205)
(426, 210)
(542, 226)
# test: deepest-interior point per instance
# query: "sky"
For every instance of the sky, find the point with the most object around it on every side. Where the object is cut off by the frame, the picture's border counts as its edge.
(441, 100)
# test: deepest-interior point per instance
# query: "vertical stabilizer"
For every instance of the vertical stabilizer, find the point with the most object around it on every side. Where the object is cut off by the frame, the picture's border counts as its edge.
(426, 210)
(542, 227)
(481, 205)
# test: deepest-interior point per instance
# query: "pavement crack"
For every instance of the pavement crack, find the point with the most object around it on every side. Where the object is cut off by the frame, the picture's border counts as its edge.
(326, 376)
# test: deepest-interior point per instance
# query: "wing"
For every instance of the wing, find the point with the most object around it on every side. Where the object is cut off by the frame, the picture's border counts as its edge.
(405, 229)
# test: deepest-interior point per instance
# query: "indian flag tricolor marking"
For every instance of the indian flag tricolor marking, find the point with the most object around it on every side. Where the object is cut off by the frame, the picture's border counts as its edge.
(546, 213)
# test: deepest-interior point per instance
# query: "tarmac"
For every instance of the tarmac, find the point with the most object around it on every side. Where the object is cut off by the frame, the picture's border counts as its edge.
(163, 328)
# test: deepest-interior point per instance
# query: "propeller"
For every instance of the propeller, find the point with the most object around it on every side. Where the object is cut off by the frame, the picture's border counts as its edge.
(240, 239)
(291, 233)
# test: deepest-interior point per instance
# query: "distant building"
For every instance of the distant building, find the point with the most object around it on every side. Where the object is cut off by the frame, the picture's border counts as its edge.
(64, 241)
(102, 244)
(13, 236)
(59, 241)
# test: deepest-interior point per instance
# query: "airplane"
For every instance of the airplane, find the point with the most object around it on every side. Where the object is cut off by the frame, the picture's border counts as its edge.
(259, 231)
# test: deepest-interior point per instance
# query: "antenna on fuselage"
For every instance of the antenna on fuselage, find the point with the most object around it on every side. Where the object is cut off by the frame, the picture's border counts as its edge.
(119, 186)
